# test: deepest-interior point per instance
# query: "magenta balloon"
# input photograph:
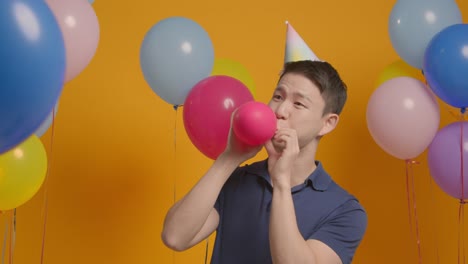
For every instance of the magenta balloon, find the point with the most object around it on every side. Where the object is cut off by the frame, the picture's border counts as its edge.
(445, 159)
(208, 109)
(403, 117)
(254, 123)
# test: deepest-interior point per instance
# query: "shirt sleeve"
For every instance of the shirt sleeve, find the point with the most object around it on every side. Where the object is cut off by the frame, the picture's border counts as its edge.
(344, 230)
(228, 185)
(219, 202)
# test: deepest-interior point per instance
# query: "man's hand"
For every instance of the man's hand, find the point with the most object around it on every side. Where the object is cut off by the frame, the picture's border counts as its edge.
(283, 150)
(238, 150)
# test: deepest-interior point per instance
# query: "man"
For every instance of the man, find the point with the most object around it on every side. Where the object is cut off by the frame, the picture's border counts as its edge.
(285, 209)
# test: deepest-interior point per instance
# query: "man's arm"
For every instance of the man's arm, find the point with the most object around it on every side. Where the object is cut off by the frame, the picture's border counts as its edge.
(286, 242)
(194, 218)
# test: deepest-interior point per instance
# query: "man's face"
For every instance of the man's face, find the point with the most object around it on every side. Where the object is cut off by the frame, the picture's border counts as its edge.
(298, 104)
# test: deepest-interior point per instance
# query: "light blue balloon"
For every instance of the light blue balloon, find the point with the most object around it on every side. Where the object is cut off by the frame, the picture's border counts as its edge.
(176, 54)
(91, 1)
(413, 23)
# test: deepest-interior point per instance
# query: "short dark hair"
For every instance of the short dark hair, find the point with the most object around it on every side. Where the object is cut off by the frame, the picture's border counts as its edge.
(326, 78)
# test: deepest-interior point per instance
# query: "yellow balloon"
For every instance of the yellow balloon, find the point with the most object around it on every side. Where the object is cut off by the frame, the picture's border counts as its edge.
(22, 172)
(399, 68)
(223, 66)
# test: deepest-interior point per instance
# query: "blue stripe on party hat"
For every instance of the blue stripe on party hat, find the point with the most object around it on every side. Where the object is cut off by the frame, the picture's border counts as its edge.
(296, 48)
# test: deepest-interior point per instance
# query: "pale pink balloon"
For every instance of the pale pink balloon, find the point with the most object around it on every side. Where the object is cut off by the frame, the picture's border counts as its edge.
(403, 117)
(80, 29)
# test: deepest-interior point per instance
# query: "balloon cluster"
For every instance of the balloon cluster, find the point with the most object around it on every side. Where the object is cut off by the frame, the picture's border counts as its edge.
(44, 45)
(403, 114)
(178, 63)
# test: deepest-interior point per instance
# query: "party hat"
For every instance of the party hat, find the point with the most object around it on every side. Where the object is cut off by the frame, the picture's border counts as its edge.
(296, 48)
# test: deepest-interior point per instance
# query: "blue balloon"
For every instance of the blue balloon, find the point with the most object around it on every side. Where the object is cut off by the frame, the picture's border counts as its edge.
(446, 65)
(413, 23)
(91, 1)
(176, 54)
(32, 68)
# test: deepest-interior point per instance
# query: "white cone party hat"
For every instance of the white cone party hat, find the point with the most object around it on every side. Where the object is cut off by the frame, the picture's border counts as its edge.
(296, 48)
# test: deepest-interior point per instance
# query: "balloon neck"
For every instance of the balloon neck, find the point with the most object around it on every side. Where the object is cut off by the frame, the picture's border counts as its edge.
(176, 107)
(463, 110)
(462, 201)
(411, 161)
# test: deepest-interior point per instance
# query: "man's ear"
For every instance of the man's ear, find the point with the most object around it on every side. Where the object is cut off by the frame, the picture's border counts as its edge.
(329, 123)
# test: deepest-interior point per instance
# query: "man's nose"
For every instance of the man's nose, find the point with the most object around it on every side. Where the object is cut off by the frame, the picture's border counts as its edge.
(281, 111)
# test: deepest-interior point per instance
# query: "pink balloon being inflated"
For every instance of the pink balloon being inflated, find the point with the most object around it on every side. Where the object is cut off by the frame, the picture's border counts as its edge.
(254, 123)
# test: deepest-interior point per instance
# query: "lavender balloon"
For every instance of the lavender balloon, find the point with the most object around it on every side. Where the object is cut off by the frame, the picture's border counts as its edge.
(445, 156)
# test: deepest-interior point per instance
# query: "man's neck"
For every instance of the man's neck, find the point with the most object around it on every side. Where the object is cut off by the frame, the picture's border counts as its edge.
(304, 165)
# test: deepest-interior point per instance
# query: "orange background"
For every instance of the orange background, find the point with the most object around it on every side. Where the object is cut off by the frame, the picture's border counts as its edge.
(120, 153)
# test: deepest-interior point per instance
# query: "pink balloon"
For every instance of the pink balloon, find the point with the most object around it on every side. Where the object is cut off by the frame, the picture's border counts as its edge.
(80, 29)
(208, 109)
(403, 117)
(254, 123)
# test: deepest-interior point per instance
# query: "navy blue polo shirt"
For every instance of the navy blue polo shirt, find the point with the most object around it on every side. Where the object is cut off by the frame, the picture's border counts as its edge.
(324, 211)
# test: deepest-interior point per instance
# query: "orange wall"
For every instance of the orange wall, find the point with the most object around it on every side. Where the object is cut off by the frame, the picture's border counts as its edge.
(119, 150)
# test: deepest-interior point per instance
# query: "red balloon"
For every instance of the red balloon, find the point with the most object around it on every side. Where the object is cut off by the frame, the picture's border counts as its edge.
(208, 109)
(254, 123)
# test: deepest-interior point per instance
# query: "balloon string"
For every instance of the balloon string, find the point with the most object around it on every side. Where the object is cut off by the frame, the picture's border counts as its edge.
(461, 211)
(12, 234)
(175, 154)
(5, 240)
(175, 165)
(418, 240)
(462, 143)
(10, 231)
(435, 218)
(410, 175)
(408, 196)
(461, 237)
(46, 180)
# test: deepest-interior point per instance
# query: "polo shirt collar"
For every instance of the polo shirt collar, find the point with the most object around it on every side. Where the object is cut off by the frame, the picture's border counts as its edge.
(319, 179)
